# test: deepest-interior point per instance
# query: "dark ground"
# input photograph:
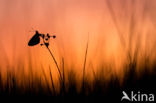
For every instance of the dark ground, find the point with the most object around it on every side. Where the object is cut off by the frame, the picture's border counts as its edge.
(110, 92)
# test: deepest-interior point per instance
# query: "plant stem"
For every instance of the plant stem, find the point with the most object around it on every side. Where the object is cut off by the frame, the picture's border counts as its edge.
(84, 66)
(55, 62)
(63, 75)
(52, 83)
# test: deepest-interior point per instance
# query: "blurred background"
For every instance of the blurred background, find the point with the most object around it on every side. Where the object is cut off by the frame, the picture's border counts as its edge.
(120, 32)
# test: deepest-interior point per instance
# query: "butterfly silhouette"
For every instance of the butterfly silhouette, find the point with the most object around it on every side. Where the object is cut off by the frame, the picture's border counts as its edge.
(35, 39)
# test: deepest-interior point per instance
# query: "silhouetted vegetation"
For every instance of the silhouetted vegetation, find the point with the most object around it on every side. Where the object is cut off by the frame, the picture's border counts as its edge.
(98, 90)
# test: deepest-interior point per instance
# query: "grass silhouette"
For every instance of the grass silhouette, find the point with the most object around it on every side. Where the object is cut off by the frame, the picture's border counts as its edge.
(98, 90)
(84, 66)
(95, 91)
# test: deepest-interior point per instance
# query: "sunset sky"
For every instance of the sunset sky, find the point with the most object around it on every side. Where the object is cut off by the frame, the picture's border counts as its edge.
(72, 21)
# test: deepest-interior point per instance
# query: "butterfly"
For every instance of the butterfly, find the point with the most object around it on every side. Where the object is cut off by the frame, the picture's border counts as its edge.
(35, 39)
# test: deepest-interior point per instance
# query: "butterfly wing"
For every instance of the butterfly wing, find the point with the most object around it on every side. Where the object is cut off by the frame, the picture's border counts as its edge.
(34, 40)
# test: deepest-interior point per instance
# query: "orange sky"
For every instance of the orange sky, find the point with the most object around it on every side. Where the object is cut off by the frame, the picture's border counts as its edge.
(71, 21)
